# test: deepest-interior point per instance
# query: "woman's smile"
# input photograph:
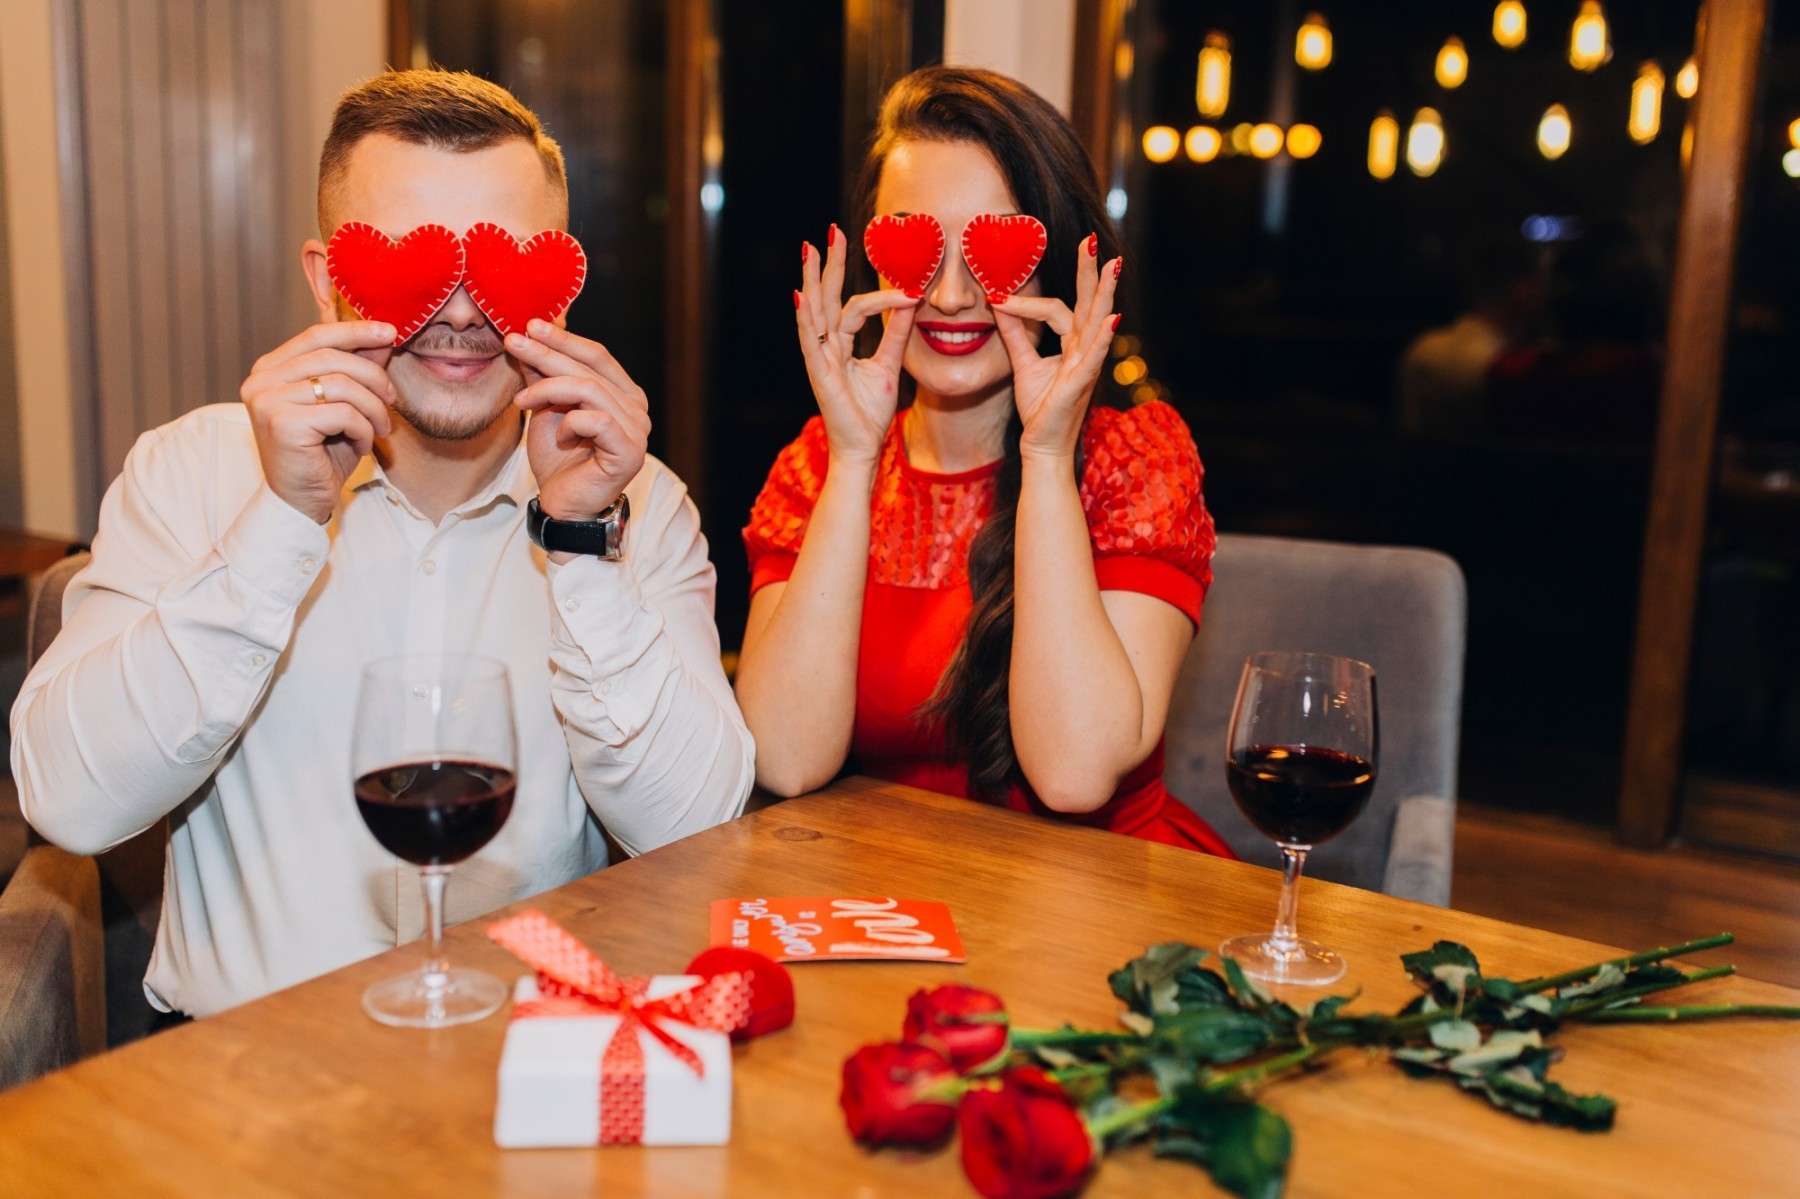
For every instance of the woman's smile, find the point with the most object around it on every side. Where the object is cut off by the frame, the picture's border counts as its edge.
(955, 338)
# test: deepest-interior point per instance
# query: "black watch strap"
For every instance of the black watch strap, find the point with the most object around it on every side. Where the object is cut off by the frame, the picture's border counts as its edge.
(603, 537)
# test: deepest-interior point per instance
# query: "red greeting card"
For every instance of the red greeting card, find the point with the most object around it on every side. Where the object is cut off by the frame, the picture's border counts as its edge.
(820, 928)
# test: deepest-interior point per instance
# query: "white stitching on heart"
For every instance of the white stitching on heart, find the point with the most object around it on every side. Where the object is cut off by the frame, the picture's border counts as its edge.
(996, 295)
(525, 247)
(898, 221)
(401, 333)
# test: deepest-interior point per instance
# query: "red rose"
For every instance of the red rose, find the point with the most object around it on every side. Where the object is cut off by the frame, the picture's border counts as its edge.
(1024, 1140)
(941, 1018)
(899, 1094)
(771, 988)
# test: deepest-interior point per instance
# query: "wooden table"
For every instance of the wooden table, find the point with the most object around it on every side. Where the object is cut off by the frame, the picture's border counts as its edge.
(300, 1093)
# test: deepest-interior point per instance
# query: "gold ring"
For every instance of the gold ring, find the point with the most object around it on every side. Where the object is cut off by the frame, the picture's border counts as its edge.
(318, 388)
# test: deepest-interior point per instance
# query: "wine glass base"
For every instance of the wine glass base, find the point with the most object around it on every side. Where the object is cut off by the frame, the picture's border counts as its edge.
(458, 996)
(1305, 964)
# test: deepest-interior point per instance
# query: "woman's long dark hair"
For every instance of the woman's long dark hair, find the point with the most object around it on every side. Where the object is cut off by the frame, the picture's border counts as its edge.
(1050, 177)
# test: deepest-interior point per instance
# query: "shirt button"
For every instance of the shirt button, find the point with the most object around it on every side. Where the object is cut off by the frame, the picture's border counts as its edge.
(307, 564)
(428, 566)
(258, 660)
(573, 603)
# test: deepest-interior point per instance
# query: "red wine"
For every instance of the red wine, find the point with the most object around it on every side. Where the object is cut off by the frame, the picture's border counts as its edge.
(1299, 794)
(435, 813)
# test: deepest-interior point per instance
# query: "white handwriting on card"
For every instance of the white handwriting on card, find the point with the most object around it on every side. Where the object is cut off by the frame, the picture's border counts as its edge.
(795, 937)
(879, 922)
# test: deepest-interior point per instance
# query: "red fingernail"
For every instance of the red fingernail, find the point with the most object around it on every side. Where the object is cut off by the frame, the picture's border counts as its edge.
(1117, 317)
(1093, 246)
(1118, 268)
(796, 301)
(805, 252)
(831, 236)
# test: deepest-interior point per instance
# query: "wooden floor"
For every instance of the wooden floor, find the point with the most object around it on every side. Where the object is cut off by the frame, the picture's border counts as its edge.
(1573, 878)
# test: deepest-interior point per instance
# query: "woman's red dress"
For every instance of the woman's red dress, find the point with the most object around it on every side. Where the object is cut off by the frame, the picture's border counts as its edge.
(1150, 532)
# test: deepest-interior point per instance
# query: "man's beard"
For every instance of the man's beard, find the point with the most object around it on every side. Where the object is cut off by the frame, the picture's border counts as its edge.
(447, 411)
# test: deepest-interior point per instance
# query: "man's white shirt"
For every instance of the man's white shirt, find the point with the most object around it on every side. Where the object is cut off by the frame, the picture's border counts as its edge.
(207, 670)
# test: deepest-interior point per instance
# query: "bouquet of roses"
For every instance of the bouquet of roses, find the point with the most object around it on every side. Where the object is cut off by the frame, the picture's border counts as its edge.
(1037, 1108)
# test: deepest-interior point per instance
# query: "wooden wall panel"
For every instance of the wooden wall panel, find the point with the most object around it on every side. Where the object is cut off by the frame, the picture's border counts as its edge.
(187, 257)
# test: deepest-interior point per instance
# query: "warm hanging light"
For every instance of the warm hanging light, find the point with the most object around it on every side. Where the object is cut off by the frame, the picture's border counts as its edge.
(1794, 133)
(1160, 143)
(1212, 83)
(1452, 63)
(1425, 142)
(1202, 143)
(1687, 79)
(1129, 370)
(1646, 104)
(1554, 132)
(1240, 138)
(1587, 37)
(1687, 144)
(1303, 141)
(1265, 140)
(1509, 24)
(1312, 45)
(1790, 163)
(1384, 144)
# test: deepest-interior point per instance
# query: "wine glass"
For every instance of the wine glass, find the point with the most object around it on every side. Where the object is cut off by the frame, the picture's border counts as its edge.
(1300, 761)
(433, 760)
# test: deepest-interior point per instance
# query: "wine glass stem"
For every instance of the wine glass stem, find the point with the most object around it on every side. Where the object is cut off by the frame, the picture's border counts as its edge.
(437, 968)
(1285, 940)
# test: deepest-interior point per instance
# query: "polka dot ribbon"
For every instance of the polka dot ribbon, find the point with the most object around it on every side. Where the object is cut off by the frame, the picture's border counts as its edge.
(573, 981)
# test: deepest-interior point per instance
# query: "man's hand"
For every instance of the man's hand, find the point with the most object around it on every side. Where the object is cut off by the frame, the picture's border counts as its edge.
(310, 437)
(590, 423)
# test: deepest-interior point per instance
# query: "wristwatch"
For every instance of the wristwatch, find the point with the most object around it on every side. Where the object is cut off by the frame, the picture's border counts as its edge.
(603, 537)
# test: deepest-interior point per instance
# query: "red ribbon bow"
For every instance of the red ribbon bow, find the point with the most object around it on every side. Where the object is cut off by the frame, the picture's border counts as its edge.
(573, 981)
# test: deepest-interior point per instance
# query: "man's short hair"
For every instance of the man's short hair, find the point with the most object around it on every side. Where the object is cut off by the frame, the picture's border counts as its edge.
(452, 110)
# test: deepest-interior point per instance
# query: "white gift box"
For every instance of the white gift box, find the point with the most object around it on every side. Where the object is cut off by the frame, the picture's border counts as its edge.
(550, 1078)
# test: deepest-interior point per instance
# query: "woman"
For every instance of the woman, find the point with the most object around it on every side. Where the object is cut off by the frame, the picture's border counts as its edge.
(991, 594)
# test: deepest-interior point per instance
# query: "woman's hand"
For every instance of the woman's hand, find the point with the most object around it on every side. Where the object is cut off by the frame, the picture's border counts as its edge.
(1052, 393)
(856, 395)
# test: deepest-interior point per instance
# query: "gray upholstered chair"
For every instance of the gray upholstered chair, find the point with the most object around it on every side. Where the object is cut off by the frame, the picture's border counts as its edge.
(1402, 610)
(75, 933)
(52, 989)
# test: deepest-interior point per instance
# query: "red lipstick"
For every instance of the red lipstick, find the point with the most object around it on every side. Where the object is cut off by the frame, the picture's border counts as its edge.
(955, 338)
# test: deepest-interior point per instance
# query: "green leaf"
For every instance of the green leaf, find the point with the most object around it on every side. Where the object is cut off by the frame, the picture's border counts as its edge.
(1423, 965)
(1215, 1034)
(1172, 1072)
(1458, 1035)
(1167, 978)
(1503, 1047)
(1607, 978)
(1243, 1145)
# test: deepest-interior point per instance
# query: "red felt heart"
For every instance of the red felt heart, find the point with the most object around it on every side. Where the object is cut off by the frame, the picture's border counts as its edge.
(401, 282)
(905, 249)
(514, 282)
(1002, 252)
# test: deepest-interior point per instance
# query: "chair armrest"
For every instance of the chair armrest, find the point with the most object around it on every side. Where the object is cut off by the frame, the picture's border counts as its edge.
(52, 981)
(1421, 850)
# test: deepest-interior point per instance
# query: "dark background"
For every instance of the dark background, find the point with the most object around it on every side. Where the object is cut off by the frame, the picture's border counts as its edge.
(1279, 343)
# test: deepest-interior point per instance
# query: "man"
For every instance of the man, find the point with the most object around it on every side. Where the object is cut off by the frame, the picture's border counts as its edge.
(367, 500)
